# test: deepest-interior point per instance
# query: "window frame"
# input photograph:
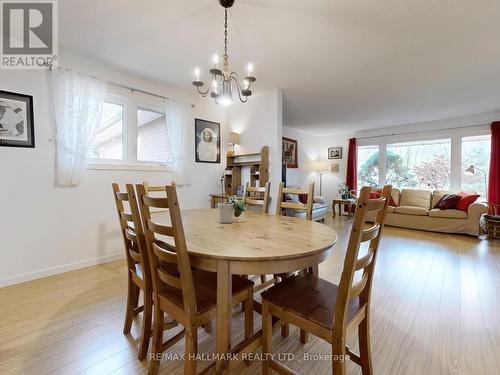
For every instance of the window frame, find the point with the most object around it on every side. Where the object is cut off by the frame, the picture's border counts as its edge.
(129, 160)
(455, 135)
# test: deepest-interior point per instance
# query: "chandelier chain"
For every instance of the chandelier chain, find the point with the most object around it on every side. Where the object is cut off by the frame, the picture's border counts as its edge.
(225, 33)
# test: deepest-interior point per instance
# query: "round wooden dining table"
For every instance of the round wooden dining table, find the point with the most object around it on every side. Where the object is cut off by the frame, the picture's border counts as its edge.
(253, 244)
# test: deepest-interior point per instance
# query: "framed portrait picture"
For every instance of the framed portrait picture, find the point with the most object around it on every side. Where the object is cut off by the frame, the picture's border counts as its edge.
(335, 153)
(16, 120)
(289, 153)
(207, 141)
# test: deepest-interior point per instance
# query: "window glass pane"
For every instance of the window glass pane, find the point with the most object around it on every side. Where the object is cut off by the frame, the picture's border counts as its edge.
(419, 165)
(108, 141)
(152, 142)
(368, 173)
(475, 153)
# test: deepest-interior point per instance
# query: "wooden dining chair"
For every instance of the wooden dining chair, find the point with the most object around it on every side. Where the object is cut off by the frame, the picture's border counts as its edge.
(326, 310)
(257, 196)
(284, 203)
(138, 274)
(188, 295)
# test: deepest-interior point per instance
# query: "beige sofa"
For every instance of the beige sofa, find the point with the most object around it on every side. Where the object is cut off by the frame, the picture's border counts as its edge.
(415, 210)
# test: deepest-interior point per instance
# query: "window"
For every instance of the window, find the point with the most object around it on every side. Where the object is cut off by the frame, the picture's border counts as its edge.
(108, 143)
(368, 170)
(132, 134)
(452, 159)
(475, 163)
(419, 165)
(152, 138)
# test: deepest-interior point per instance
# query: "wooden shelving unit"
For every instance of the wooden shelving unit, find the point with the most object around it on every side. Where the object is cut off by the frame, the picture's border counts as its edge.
(259, 169)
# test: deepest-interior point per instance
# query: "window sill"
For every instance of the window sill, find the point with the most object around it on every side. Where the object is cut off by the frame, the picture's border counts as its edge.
(127, 167)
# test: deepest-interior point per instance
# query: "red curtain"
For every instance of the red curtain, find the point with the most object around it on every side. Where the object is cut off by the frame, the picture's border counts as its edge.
(352, 165)
(494, 177)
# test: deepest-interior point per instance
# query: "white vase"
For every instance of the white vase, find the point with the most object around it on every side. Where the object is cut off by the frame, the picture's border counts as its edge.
(226, 213)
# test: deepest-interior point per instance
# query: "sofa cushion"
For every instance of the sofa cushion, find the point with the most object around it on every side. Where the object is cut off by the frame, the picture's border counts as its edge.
(391, 209)
(412, 210)
(447, 202)
(450, 214)
(416, 198)
(377, 192)
(466, 200)
(396, 196)
(437, 195)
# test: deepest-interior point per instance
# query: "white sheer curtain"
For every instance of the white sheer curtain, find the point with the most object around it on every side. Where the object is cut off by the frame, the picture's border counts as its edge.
(78, 101)
(179, 116)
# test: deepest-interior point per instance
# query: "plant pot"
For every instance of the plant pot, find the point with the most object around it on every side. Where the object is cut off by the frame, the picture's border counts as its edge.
(225, 213)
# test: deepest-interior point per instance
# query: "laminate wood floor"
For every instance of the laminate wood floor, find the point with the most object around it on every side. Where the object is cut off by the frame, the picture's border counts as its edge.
(436, 310)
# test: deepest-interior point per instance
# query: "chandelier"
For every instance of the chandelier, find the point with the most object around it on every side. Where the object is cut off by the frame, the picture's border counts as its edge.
(223, 82)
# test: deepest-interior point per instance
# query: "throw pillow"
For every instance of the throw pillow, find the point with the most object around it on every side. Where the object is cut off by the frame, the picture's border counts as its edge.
(465, 201)
(303, 198)
(448, 201)
(374, 195)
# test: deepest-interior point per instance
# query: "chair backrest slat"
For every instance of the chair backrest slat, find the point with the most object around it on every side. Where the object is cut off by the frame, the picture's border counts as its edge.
(283, 204)
(132, 232)
(360, 289)
(257, 196)
(160, 252)
(370, 233)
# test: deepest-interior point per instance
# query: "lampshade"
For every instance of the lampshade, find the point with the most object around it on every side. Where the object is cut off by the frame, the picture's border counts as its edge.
(321, 167)
(470, 171)
(234, 138)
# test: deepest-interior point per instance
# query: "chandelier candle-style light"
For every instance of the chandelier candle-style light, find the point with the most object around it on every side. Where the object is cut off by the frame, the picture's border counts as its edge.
(222, 81)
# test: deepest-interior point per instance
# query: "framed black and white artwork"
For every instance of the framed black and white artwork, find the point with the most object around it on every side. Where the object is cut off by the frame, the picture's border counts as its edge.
(207, 141)
(335, 153)
(16, 120)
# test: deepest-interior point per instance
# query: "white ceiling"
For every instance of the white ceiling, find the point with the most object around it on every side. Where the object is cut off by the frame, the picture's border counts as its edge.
(343, 64)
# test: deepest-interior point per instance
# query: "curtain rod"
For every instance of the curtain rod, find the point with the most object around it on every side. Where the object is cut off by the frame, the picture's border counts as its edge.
(122, 86)
(423, 131)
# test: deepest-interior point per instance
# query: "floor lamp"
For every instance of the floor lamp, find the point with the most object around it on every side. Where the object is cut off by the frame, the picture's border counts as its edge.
(471, 171)
(321, 168)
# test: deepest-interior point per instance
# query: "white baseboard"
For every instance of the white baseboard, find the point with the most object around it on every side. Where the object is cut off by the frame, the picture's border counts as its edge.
(59, 269)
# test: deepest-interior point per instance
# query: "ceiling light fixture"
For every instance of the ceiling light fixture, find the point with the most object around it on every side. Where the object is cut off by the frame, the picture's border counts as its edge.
(222, 81)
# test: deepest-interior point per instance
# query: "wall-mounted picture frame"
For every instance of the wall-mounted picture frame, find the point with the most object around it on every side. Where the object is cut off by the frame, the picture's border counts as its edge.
(335, 153)
(335, 168)
(289, 153)
(16, 120)
(207, 141)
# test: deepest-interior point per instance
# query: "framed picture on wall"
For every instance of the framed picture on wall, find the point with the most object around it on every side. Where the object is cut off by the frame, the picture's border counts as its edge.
(16, 120)
(289, 153)
(207, 141)
(335, 153)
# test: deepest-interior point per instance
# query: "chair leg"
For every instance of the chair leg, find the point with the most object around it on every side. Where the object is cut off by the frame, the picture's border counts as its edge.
(364, 347)
(248, 304)
(146, 325)
(132, 301)
(267, 338)
(208, 327)
(157, 349)
(338, 360)
(191, 349)
(303, 336)
(285, 329)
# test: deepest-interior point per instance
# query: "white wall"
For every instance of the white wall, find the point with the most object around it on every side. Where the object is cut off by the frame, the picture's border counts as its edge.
(260, 123)
(45, 229)
(314, 148)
